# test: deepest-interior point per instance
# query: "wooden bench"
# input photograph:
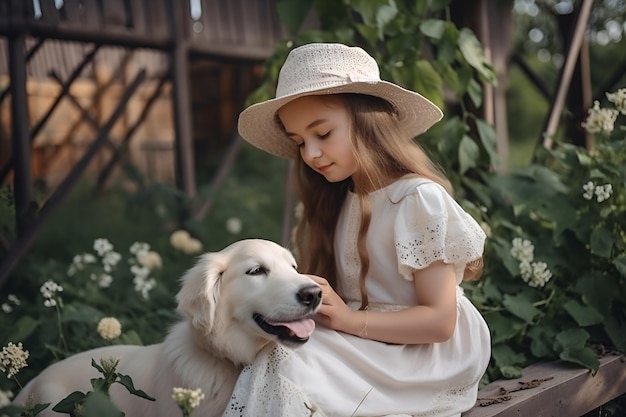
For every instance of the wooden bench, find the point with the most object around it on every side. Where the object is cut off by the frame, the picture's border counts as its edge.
(553, 389)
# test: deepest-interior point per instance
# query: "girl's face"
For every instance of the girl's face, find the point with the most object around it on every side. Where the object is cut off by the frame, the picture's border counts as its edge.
(320, 125)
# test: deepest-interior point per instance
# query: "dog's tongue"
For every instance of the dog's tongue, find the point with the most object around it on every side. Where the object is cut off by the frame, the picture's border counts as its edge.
(302, 328)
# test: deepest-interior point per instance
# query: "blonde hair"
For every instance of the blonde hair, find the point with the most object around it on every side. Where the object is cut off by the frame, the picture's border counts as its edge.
(384, 154)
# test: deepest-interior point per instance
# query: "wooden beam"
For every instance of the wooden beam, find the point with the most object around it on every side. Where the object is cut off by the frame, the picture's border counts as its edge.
(22, 181)
(556, 389)
(22, 245)
(568, 71)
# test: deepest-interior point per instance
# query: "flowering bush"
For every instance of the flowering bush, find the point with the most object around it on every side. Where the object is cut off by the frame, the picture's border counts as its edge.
(101, 297)
(187, 399)
(555, 267)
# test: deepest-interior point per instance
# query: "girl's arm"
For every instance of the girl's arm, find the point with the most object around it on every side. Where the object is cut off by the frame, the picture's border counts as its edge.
(432, 321)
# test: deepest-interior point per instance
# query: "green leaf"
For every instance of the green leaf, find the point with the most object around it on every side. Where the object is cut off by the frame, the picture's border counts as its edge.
(521, 306)
(126, 381)
(505, 356)
(98, 404)
(473, 53)
(585, 357)
(376, 13)
(129, 338)
(368, 32)
(293, 12)
(572, 339)
(620, 264)
(433, 28)
(39, 407)
(487, 135)
(98, 367)
(601, 241)
(438, 5)
(510, 372)
(475, 92)
(427, 81)
(469, 153)
(600, 292)
(616, 331)
(447, 45)
(99, 384)
(68, 404)
(542, 342)
(23, 328)
(585, 315)
(502, 328)
(80, 313)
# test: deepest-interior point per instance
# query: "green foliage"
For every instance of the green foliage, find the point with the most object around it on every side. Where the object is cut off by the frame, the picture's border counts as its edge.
(92, 403)
(579, 231)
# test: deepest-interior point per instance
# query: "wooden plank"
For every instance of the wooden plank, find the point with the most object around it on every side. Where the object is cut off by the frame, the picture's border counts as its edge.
(49, 12)
(137, 18)
(92, 14)
(73, 11)
(160, 26)
(114, 13)
(562, 390)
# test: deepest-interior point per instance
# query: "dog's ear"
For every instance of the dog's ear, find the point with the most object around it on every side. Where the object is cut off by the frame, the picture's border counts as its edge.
(200, 291)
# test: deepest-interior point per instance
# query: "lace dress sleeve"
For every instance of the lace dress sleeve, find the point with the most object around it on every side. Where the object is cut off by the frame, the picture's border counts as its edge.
(431, 226)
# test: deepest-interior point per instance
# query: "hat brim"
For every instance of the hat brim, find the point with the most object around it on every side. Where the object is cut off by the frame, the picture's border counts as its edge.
(257, 123)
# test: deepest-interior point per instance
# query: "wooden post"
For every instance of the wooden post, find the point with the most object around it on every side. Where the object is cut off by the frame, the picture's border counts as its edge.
(568, 71)
(22, 182)
(181, 100)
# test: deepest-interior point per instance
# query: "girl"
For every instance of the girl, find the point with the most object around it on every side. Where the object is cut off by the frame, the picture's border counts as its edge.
(384, 239)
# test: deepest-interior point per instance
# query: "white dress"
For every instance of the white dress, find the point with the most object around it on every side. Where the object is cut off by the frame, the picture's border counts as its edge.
(414, 222)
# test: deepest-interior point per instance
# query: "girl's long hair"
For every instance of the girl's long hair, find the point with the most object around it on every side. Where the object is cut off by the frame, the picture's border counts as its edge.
(384, 153)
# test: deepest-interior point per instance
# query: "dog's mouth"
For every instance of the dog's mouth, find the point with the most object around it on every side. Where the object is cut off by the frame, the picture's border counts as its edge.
(297, 331)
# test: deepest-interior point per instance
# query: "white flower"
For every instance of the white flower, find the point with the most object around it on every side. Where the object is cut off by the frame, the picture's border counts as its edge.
(144, 285)
(5, 398)
(150, 260)
(618, 98)
(102, 246)
(13, 298)
(182, 241)
(535, 274)
(588, 188)
(13, 358)
(139, 248)
(192, 246)
(105, 280)
(233, 225)
(600, 120)
(6, 307)
(541, 274)
(109, 328)
(140, 271)
(111, 259)
(603, 192)
(187, 399)
(522, 250)
(49, 290)
(179, 238)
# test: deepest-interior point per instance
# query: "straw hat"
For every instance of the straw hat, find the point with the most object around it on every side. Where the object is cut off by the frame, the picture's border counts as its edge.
(330, 68)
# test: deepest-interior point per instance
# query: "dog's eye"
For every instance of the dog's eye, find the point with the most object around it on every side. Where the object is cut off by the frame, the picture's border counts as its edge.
(257, 270)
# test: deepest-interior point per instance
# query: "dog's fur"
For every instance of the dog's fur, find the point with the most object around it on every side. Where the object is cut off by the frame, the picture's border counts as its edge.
(222, 299)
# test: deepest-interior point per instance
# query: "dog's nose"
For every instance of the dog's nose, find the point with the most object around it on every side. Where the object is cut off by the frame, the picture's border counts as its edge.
(310, 295)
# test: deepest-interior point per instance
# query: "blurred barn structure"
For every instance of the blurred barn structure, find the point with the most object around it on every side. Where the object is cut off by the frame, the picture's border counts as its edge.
(85, 84)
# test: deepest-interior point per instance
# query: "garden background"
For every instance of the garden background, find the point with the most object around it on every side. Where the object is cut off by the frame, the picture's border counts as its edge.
(552, 206)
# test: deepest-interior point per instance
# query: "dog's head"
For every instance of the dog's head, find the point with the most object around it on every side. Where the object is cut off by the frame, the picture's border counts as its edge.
(249, 293)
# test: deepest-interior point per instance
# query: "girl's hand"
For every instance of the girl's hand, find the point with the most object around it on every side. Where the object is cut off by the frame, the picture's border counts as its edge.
(334, 313)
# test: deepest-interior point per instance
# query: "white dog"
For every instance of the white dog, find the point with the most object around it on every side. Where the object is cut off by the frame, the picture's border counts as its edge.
(234, 303)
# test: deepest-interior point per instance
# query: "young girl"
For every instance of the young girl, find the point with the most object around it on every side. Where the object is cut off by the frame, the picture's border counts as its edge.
(382, 236)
